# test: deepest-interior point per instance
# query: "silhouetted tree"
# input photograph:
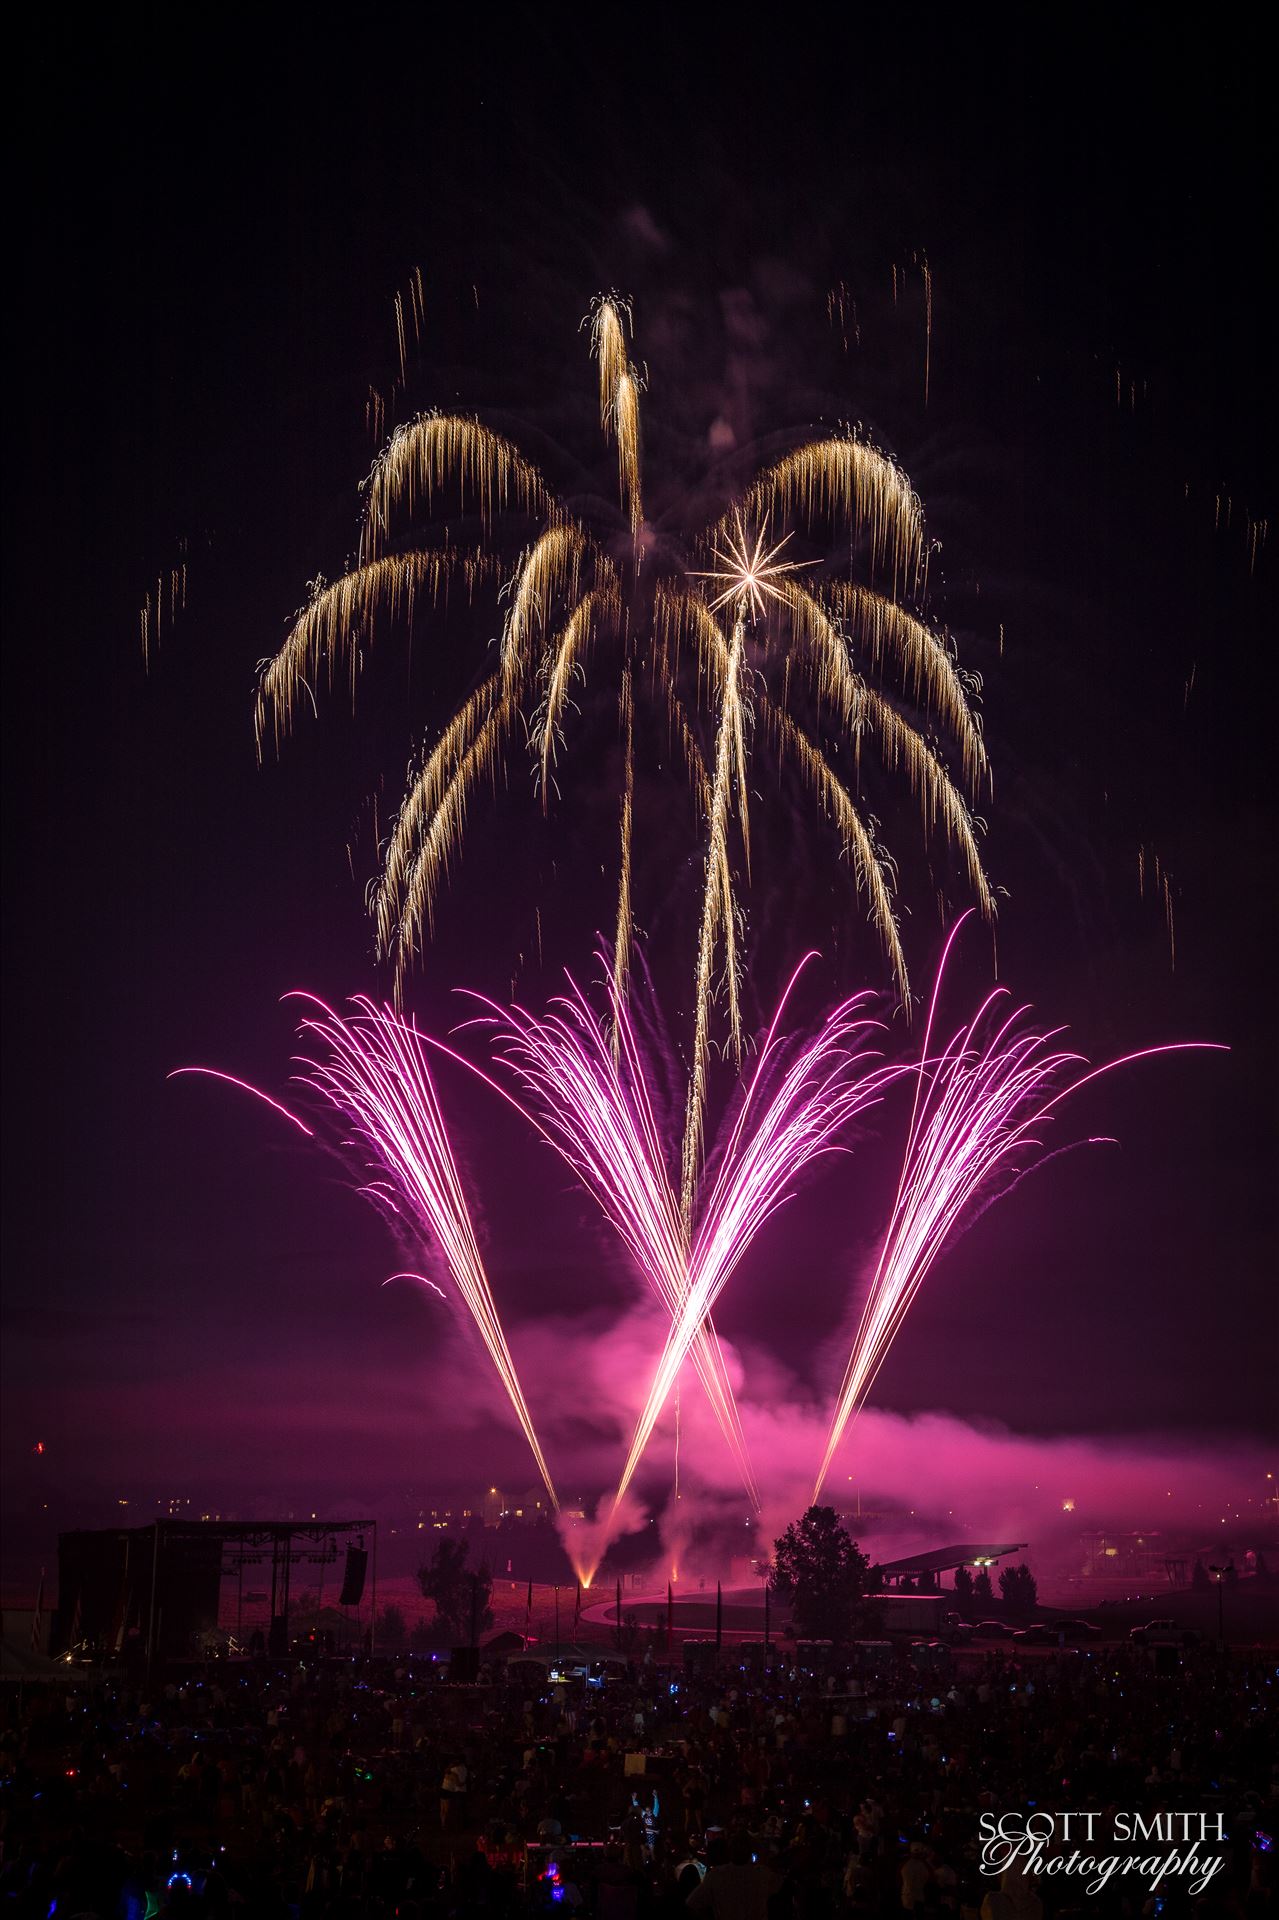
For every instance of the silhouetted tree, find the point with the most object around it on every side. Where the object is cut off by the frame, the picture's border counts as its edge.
(819, 1568)
(392, 1628)
(1019, 1591)
(983, 1592)
(461, 1597)
(964, 1591)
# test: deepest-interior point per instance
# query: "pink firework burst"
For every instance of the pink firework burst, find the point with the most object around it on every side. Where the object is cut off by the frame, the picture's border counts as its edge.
(375, 1075)
(595, 1105)
(977, 1110)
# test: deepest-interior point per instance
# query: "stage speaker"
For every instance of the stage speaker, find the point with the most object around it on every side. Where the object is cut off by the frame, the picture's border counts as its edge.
(464, 1665)
(357, 1561)
(277, 1641)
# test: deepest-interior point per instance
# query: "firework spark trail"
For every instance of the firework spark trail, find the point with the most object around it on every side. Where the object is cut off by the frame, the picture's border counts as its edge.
(624, 931)
(429, 822)
(421, 1280)
(323, 635)
(718, 913)
(975, 1106)
(462, 766)
(564, 666)
(932, 678)
(421, 459)
(174, 591)
(926, 270)
(1161, 879)
(551, 567)
(245, 1086)
(863, 710)
(619, 397)
(874, 873)
(609, 319)
(594, 1106)
(847, 480)
(375, 1075)
(775, 1137)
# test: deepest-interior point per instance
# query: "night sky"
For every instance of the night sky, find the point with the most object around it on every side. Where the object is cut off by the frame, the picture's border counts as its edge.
(211, 227)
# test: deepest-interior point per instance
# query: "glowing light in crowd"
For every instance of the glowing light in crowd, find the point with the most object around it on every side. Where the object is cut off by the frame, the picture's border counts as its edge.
(976, 1110)
(709, 627)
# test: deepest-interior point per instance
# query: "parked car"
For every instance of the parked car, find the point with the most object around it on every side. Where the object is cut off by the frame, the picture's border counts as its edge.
(993, 1630)
(1078, 1629)
(1040, 1633)
(1140, 1635)
(1171, 1636)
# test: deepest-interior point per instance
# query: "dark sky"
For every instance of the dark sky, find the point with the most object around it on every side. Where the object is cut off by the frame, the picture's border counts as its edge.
(209, 226)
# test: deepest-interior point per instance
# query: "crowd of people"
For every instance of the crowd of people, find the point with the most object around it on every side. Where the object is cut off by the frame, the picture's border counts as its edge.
(380, 1791)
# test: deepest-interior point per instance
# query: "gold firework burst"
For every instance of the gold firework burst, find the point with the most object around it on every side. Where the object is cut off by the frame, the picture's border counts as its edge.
(798, 619)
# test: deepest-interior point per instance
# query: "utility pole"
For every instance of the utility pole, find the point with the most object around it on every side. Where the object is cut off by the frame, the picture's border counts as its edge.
(1219, 1575)
(155, 1568)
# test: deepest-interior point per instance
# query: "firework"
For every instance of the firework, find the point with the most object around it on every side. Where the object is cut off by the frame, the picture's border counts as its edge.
(624, 929)
(374, 1074)
(586, 1086)
(592, 1101)
(832, 1078)
(620, 388)
(718, 913)
(976, 1110)
(166, 602)
(805, 604)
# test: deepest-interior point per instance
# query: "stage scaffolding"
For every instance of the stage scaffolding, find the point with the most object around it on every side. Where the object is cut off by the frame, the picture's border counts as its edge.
(284, 1545)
